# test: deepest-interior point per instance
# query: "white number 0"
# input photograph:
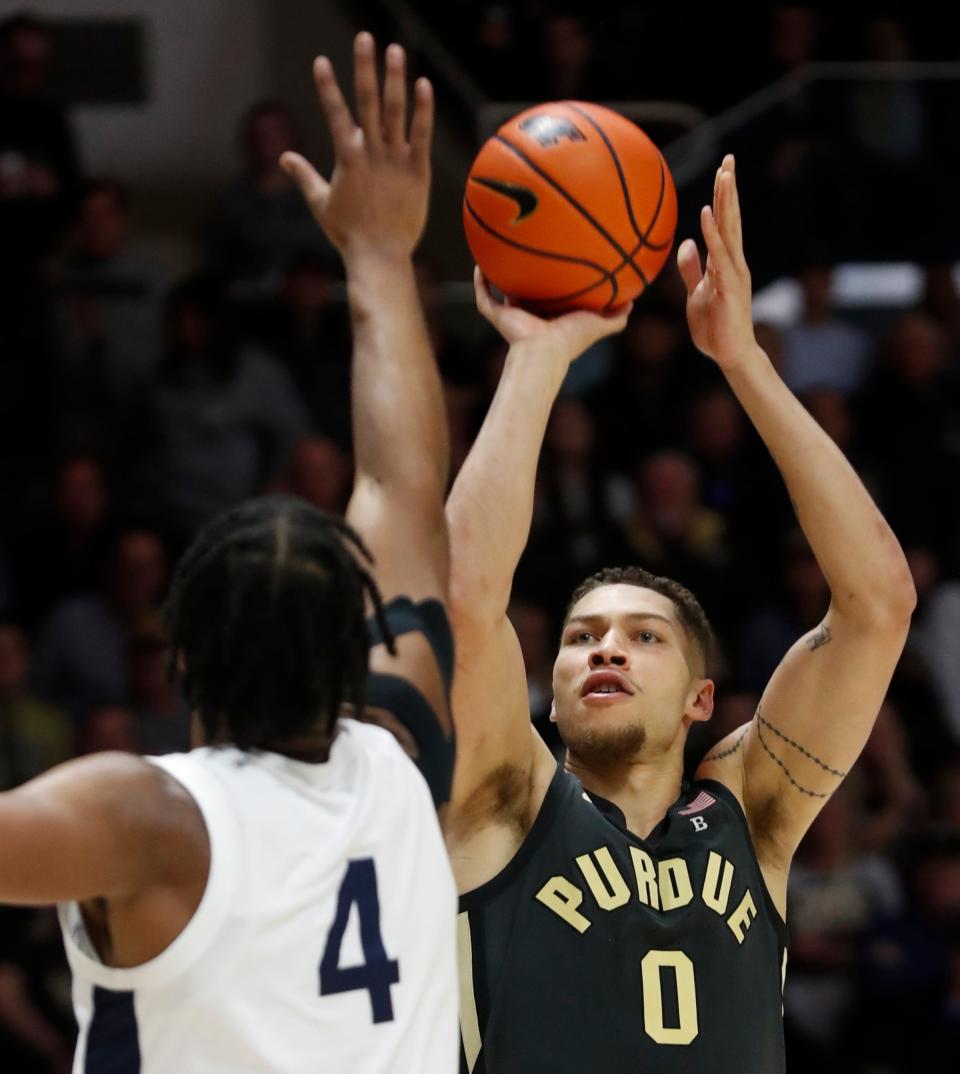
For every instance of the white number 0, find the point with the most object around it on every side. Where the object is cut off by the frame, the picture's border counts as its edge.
(651, 965)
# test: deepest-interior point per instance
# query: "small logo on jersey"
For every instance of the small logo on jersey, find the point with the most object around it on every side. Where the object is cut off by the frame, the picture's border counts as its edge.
(526, 199)
(698, 805)
(549, 130)
(699, 824)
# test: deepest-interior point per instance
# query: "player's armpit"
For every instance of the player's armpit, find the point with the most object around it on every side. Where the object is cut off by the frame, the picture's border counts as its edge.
(497, 747)
(813, 720)
(108, 825)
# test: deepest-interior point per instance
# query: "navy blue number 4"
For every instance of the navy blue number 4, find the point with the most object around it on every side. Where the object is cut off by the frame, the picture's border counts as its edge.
(377, 972)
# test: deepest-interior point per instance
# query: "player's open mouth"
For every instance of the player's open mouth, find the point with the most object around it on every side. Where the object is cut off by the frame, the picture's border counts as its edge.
(605, 686)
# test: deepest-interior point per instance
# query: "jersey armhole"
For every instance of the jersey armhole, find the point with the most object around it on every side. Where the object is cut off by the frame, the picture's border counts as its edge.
(733, 803)
(188, 947)
(477, 897)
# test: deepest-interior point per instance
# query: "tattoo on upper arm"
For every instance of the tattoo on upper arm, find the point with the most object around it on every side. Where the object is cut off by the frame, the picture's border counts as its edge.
(822, 637)
(726, 753)
(761, 723)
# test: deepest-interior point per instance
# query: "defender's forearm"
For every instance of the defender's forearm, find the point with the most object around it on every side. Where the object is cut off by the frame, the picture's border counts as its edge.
(399, 419)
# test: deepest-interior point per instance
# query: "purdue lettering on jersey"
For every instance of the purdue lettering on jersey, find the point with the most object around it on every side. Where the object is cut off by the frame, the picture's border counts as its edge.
(666, 886)
(597, 950)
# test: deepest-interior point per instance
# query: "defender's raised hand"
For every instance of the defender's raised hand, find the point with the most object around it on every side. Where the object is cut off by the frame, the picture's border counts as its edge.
(378, 193)
(719, 300)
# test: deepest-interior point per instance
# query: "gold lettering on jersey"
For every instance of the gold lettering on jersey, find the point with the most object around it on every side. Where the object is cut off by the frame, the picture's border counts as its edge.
(563, 898)
(674, 882)
(716, 884)
(664, 886)
(648, 891)
(742, 918)
(614, 892)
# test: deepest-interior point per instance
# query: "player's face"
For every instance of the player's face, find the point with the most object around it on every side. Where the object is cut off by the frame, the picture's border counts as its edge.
(626, 680)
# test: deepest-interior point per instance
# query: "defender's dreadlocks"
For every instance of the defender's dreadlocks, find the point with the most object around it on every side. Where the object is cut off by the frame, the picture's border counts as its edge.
(266, 610)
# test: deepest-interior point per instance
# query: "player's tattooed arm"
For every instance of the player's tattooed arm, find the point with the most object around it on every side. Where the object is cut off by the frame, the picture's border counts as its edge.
(789, 742)
(830, 685)
(722, 751)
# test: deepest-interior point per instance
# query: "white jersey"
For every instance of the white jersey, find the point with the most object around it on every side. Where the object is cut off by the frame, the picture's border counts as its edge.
(325, 938)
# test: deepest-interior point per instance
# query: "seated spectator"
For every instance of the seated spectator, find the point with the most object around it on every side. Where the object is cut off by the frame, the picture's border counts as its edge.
(640, 407)
(822, 350)
(110, 311)
(309, 333)
(34, 735)
(81, 655)
(537, 643)
(109, 729)
(319, 472)
(672, 532)
(907, 1017)
(30, 1042)
(569, 67)
(787, 615)
(740, 482)
(909, 419)
(576, 501)
(62, 554)
(836, 893)
(221, 420)
(38, 160)
(935, 630)
(260, 221)
(161, 718)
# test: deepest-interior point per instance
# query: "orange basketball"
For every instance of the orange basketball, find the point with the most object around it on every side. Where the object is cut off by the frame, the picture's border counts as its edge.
(570, 205)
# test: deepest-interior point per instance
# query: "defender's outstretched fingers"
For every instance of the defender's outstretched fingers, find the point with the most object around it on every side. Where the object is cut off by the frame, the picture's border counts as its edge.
(339, 119)
(395, 97)
(367, 88)
(421, 126)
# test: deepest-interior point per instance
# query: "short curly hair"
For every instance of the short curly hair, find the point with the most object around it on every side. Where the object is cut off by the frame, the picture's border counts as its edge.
(692, 617)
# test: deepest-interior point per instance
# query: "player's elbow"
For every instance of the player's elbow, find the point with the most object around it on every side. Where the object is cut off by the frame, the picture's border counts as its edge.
(899, 593)
(889, 606)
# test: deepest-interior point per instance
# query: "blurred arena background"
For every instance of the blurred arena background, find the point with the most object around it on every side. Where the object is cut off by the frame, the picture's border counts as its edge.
(173, 339)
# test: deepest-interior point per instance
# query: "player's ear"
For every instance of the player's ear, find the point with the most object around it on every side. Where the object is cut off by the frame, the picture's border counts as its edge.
(699, 707)
(553, 711)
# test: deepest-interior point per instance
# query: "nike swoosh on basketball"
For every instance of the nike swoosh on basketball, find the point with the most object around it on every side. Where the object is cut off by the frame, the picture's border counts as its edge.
(526, 200)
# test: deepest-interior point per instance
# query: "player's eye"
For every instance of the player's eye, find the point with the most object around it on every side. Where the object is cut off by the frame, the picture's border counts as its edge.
(582, 636)
(647, 637)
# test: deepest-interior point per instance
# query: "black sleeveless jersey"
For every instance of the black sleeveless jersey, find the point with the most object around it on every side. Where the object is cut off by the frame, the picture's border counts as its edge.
(596, 952)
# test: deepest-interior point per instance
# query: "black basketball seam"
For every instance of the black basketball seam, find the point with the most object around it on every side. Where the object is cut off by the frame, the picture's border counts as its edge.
(587, 290)
(643, 237)
(608, 277)
(585, 213)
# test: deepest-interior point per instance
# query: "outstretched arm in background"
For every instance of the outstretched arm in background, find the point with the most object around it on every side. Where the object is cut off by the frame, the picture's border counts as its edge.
(502, 760)
(374, 209)
(818, 710)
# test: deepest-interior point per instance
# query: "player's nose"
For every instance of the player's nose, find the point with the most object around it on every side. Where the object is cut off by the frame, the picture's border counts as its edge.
(610, 651)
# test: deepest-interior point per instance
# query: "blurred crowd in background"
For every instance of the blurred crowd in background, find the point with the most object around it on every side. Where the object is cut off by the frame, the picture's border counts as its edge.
(133, 406)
